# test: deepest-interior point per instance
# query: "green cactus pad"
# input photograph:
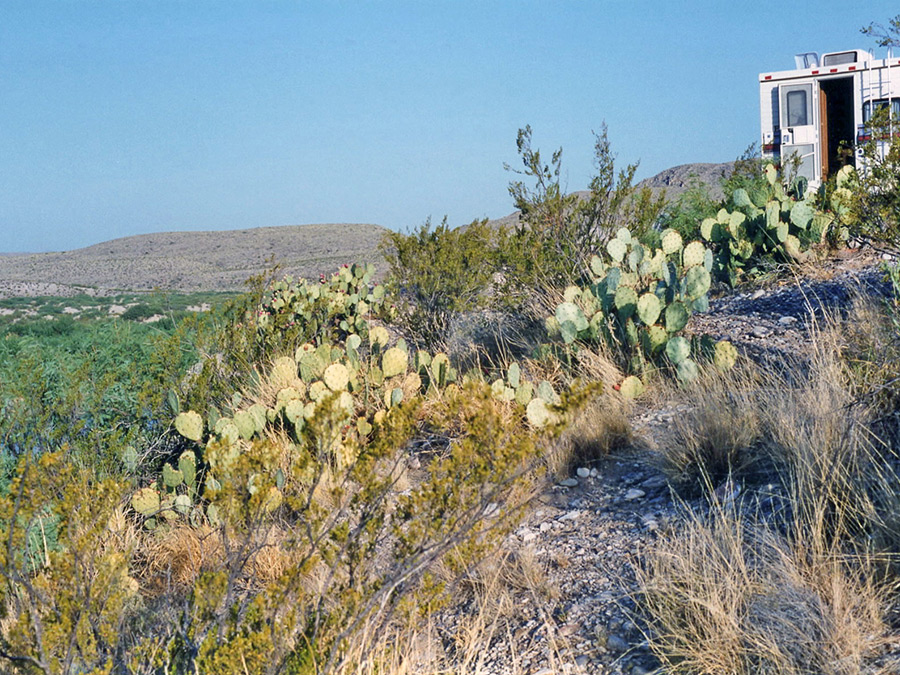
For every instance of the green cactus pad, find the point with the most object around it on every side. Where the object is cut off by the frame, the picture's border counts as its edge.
(671, 241)
(693, 254)
(283, 372)
(524, 393)
(771, 174)
(572, 293)
(421, 360)
(130, 458)
(688, 371)
(598, 267)
(648, 308)
(145, 501)
(569, 311)
(538, 414)
(190, 425)
(723, 216)
(617, 249)
(394, 362)
(736, 225)
(741, 199)
(353, 342)
(363, 427)
(626, 301)
(440, 369)
(706, 228)
(183, 504)
(678, 349)
(336, 377)
(284, 396)
(311, 367)
(725, 355)
(631, 387)
(293, 410)
(187, 464)
(545, 391)
(318, 390)
(656, 339)
(697, 281)
(801, 215)
(378, 337)
(513, 375)
(245, 423)
(635, 257)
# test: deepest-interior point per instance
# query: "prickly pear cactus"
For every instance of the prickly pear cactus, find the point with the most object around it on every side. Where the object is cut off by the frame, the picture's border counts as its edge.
(639, 298)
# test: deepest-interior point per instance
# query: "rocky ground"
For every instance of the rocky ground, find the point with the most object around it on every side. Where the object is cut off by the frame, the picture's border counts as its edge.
(586, 534)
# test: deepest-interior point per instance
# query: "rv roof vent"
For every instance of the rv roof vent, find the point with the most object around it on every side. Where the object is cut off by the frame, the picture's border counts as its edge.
(840, 58)
(806, 60)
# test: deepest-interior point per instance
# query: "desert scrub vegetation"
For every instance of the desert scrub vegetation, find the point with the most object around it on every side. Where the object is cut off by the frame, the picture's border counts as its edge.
(323, 486)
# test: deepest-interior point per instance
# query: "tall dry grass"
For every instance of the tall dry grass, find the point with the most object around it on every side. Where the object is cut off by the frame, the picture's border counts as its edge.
(808, 587)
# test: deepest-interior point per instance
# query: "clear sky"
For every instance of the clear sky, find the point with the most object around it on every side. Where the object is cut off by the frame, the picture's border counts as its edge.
(127, 116)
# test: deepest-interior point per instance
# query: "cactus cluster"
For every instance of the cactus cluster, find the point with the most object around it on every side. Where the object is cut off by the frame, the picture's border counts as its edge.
(767, 224)
(176, 493)
(353, 382)
(332, 308)
(640, 298)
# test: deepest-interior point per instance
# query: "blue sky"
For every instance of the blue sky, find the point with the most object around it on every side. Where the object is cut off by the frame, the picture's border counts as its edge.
(126, 117)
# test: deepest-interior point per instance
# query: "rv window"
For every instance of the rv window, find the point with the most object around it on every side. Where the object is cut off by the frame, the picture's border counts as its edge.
(796, 109)
(838, 59)
(881, 104)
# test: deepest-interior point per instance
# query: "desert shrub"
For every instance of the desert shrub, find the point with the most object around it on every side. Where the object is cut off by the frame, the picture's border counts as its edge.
(436, 273)
(875, 201)
(558, 233)
(685, 214)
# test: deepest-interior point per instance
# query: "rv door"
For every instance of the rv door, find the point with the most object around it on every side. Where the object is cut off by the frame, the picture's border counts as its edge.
(799, 130)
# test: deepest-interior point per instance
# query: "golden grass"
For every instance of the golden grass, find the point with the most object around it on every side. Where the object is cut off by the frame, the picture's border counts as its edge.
(806, 591)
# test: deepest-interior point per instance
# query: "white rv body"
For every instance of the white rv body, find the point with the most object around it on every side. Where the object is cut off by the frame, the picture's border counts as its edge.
(818, 111)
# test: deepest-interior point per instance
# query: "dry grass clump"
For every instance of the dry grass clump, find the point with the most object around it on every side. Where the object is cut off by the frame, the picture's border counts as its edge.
(487, 602)
(805, 588)
(731, 597)
(719, 434)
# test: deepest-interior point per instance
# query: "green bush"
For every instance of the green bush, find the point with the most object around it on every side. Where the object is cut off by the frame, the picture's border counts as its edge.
(438, 272)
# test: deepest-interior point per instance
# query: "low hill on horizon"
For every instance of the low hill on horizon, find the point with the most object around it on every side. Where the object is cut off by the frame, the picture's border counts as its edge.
(189, 261)
(224, 260)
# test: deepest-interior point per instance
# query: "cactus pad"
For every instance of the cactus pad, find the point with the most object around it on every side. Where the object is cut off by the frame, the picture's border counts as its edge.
(671, 241)
(725, 355)
(631, 387)
(678, 349)
(190, 425)
(693, 254)
(336, 377)
(145, 501)
(648, 308)
(394, 362)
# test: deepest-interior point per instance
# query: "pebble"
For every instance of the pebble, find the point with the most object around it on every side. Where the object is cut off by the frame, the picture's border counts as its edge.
(787, 320)
(758, 294)
(582, 660)
(583, 472)
(594, 473)
(633, 494)
(569, 482)
(760, 331)
(616, 643)
(570, 515)
(545, 527)
(650, 523)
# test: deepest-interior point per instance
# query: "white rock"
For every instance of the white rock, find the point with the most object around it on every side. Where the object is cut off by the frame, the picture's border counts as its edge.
(583, 472)
(569, 482)
(787, 320)
(633, 494)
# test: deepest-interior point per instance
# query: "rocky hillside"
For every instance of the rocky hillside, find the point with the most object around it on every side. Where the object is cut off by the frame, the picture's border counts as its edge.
(188, 261)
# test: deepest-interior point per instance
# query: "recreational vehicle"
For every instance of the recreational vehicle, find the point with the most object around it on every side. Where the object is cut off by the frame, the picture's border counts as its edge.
(819, 110)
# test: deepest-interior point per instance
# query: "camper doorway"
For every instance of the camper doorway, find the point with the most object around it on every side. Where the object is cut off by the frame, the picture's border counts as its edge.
(836, 124)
